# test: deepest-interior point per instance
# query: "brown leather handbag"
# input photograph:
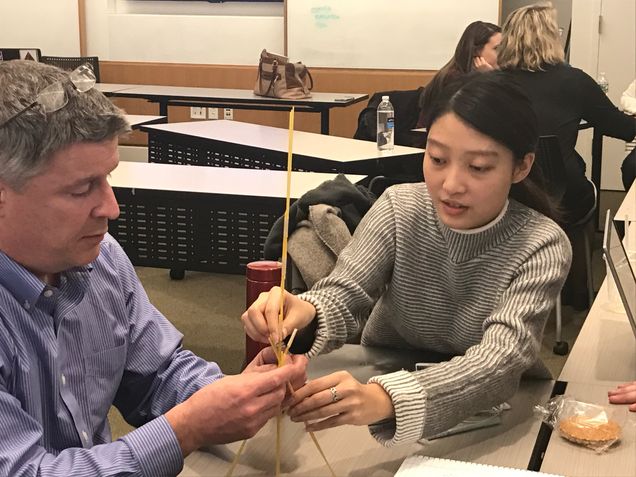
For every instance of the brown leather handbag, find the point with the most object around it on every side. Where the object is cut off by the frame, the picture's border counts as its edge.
(278, 78)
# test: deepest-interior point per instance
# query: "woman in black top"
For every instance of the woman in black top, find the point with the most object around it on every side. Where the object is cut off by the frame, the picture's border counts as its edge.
(562, 96)
(475, 51)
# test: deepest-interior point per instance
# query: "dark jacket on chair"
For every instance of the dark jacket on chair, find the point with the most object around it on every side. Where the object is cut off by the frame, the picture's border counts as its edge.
(353, 202)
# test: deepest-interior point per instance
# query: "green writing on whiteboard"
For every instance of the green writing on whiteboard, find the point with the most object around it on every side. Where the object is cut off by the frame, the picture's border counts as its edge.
(323, 15)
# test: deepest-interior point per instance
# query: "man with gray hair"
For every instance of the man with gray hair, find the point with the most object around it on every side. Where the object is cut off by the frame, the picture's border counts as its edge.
(77, 331)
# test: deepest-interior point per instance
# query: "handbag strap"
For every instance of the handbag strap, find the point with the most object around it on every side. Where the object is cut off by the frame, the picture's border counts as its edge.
(274, 74)
(311, 80)
(300, 81)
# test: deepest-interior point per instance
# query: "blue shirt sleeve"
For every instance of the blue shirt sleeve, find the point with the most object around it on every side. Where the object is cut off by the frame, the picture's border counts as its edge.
(159, 373)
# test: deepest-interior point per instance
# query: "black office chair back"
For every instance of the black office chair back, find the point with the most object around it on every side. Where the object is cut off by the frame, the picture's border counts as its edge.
(69, 63)
(550, 160)
(405, 104)
(20, 53)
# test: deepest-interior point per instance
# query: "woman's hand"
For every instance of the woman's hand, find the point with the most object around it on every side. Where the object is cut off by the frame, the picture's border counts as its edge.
(481, 64)
(339, 399)
(624, 394)
(261, 318)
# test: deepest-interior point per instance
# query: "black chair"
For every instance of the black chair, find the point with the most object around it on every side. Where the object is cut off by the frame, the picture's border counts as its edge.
(69, 63)
(407, 110)
(20, 53)
(550, 160)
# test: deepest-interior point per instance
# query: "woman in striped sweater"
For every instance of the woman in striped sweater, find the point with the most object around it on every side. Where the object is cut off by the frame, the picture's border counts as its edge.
(466, 265)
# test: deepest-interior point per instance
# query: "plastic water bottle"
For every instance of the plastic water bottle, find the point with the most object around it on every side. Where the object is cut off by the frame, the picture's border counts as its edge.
(602, 82)
(386, 124)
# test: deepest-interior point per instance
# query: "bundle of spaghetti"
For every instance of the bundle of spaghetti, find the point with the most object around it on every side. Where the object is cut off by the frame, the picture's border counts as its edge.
(280, 350)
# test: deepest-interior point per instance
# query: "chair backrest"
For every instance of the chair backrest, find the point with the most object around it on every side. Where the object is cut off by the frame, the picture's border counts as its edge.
(20, 54)
(69, 63)
(406, 106)
(550, 160)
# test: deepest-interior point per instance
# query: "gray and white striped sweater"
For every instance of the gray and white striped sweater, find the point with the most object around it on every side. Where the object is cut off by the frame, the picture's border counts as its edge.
(483, 298)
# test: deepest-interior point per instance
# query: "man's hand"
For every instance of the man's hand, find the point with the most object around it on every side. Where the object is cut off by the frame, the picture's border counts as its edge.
(234, 407)
(624, 394)
(339, 399)
(266, 360)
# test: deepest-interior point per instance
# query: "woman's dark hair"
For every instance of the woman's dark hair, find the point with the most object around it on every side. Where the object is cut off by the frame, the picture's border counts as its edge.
(474, 38)
(493, 104)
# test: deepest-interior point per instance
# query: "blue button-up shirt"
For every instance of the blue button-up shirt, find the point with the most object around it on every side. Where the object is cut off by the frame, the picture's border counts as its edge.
(68, 352)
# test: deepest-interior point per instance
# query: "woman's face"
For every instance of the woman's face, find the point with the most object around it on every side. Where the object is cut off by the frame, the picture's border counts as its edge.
(489, 51)
(468, 174)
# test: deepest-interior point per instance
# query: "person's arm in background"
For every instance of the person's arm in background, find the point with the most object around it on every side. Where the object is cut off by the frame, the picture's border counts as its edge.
(601, 113)
(628, 99)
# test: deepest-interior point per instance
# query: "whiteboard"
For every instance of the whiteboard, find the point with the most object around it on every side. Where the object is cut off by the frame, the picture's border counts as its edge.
(381, 34)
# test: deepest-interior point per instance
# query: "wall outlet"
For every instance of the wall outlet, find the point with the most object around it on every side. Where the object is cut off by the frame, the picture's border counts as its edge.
(213, 113)
(228, 114)
(197, 113)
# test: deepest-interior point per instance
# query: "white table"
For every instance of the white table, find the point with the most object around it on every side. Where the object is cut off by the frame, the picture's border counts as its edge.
(352, 451)
(200, 218)
(319, 102)
(237, 144)
(138, 120)
(110, 88)
(605, 349)
(603, 356)
(217, 181)
(628, 206)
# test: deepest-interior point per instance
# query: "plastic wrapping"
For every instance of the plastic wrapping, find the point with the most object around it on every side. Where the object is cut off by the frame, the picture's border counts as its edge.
(586, 424)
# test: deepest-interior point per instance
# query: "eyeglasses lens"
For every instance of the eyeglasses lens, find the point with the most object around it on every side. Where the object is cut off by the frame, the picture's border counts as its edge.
(52, 98)
(83, 78)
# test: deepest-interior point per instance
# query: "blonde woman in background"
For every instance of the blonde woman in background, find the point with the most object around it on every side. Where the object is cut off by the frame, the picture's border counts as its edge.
(562, 95)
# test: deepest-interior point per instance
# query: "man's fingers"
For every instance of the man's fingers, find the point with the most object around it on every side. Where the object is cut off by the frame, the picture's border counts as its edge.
(264, 383)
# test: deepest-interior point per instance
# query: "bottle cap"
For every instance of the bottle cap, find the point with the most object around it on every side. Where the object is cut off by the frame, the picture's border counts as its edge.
(385, 98)
(264, 271)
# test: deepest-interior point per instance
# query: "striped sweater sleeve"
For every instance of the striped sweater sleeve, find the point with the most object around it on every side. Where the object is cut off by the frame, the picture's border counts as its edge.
(344, 299)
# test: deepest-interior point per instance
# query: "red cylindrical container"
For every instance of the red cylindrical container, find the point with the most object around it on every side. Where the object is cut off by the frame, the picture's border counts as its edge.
(261, 277)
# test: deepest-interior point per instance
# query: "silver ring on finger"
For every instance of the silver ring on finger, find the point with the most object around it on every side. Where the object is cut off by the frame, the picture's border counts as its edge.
(334, 394)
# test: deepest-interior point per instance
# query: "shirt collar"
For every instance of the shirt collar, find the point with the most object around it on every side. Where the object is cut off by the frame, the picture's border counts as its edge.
(24, 285)
(490, 224)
